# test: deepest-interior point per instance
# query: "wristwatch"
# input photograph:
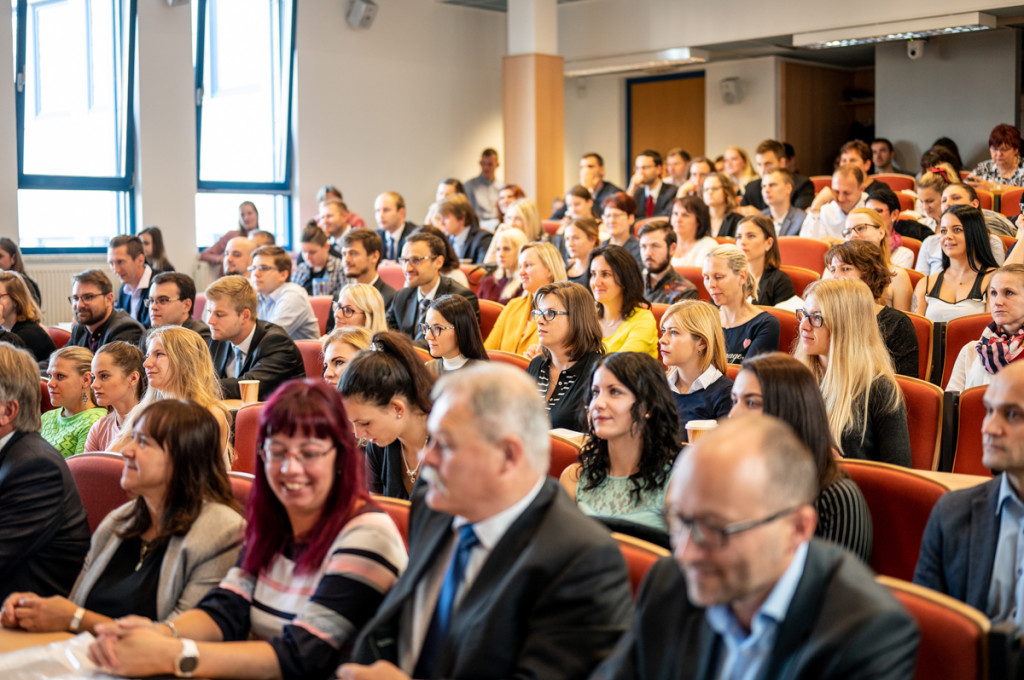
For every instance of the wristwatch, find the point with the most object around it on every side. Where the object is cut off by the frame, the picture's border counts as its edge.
(187, 661)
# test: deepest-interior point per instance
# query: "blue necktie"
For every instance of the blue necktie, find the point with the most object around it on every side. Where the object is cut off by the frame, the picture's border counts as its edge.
(445, 602)
(239, 362)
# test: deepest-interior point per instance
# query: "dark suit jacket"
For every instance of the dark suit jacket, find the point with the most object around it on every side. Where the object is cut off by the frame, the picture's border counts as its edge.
(44, 535)
(191, 324)
(124, 303)
(273, 359)
(549, 601)
(604, 191)
(840, 624)
(477, 243)
(662, 202)
(409, 228)
(802, 195)
(402, 312)
(958, 550)
(119, 326)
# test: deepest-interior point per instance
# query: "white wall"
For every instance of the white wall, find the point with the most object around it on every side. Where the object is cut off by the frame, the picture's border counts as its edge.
(754, 118)
(961, 88)
(595, 121)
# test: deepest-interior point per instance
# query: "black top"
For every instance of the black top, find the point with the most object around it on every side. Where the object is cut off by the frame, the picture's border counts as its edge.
(977, 292)
(130, 582)
(886, 438)
(729, 224)
(757, 336)
(568, 405)
(33, 288)
(900, 339)
(775, 287)
(36, 339)
(384, 470)
(711, 403)
(844, 517)
(912, 228)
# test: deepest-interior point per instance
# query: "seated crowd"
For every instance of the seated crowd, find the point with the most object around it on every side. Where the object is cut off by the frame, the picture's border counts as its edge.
(599, 309)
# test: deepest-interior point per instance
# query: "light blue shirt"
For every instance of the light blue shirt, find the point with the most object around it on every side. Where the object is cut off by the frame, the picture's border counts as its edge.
(1006, 591)
(288, 306)
(747, 655)
(459, 242)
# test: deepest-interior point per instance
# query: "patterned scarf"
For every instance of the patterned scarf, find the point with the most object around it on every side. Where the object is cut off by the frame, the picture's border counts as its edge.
(997, 349)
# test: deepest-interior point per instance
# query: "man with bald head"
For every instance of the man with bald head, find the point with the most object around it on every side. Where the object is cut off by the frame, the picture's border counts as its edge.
(749, 593)
(506, 577)
(972, 546)
(238, 256)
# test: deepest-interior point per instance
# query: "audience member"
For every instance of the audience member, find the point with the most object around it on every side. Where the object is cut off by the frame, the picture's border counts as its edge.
(755, 236)
(118, 383)
(386, 392)
(748, 331)
(153, 247)
(886, 203)
(864, 224)
(158, 554)
(652, 197)
(334, 221)
(514, 330)
(470, 242)
(840, 344)
(248, 222)
(503, 284)
(172, 296)
(864, 261)
(776, 191)
(339, 347)
(625, 461)
(778, 385)
(530, 553)
(449, 186)
(569, 347)
(280, 301)
(389, 210)
(592, 177)
(509, 194)
(316, 561)
(749, 592)
(482, 190)
(127, 259)
(626, 321)
(96, 320)
(68, 380)
(662, 283)
(618, 218)
(522, 215)
(691, 222)
(330, 192)
(453, 336)
(693, 349)
(579, 203)
(719, 194)
(769, 156)
(451, 267)
(700, 168)
(318, 265)
(359, 304)
(738, 168)
(11, 261)
(827, 215)
(262, 238)
(244, 347)
(580, 237)
(856, 152)
(238, 256)
(932, 192)
(964, 194)
(44, 534)
(930, 185)
(882, 155)
(20, 315)
(361, 252)
(1006, 169)
(677, 166)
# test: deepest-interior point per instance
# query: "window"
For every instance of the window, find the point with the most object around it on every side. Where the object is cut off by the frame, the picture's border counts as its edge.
(243, 59)
(74, 72)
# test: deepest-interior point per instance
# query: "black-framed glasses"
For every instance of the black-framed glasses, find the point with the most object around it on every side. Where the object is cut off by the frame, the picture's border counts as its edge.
(547, 314)
(434, 330)
(709, 536)
(88, 297)
(346, 311)
(275, 454)
(162, 300)
(815, 318)
(416, 261)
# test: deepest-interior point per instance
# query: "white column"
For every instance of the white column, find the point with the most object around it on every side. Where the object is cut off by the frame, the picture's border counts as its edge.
(532, 27)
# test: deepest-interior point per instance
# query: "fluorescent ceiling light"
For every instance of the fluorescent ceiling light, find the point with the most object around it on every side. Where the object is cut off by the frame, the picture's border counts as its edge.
(642, 61)
(912, 29)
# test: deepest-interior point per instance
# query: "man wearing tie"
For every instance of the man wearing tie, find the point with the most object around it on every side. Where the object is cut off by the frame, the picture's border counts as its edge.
(506, 577)
(389, 209)
(653, 197)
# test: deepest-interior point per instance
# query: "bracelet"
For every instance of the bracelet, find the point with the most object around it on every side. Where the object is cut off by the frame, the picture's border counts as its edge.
(170, 624)
(76, 619)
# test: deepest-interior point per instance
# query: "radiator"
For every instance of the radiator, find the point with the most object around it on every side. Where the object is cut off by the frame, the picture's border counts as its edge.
(53, 274)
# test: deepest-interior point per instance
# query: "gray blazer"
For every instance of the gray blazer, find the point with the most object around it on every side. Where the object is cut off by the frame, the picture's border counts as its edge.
(193, 563)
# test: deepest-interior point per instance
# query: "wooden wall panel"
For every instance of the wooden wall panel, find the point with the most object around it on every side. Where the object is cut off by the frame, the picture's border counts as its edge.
(666, 114)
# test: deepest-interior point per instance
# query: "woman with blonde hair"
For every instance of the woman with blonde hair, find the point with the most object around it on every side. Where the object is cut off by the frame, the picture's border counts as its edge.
(514, 330)
(693, 349)
(522, 215)
(339, 347)
(360, 304)
(864, 224)
(503, 283)
(20, 314)
(719, 194)
(738, 167)
(67, 426)
(841, 345)
(748, 330)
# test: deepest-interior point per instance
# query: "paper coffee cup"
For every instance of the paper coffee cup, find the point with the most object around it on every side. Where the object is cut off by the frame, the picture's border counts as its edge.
(695, 429)
(250, 390)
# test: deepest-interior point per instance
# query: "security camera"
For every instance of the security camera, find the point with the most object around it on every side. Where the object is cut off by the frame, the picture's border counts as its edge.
(915, 48)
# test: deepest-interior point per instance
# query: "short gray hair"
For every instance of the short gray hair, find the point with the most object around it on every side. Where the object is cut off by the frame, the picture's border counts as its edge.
(19, 381)
(504, 401)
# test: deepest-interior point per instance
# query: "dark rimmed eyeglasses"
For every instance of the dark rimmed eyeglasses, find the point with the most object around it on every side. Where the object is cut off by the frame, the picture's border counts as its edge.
(709, 536)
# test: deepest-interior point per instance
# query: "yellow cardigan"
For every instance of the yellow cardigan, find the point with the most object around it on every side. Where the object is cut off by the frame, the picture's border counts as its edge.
(638, 333)
(514, 330)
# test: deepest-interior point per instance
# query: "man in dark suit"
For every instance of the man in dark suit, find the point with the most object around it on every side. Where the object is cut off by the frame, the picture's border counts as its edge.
(44, 535)
(127, 258)
(592, 177)
(768, 156)
(361, 252)
(172, 295)
(970, 547)
(389, 209)
(506, 577)
(749, 592)
(469, 241)
(653, 197)
(243, 347)
(422, 258)
(96, 320)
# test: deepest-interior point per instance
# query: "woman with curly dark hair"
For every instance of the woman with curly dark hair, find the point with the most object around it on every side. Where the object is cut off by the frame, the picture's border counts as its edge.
(627, 324)
(623, 470)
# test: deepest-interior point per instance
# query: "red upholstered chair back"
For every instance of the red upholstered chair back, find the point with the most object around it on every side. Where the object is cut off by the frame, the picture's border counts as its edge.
(1009, 202)
(247, 422)
(640, 556)
(821, 181)
(489, 313)
(808, 253)
(322, 309)
(967, 458)
(789, 327)
(398, 511)
(913, 275)
(954, 636)
(913, 245)
(800, 276)
(59, 336)
(695, 275)
(900, 501)
(985, 198)
(423, 354)
(564, 452)
(312, 360)
(241, 486)
(474, 274)
(924, 416)
(906, 201)
(392, 274)
(732, 370)
(44, 398)
(517, 360)
(551, 227)
(959, 332)
(897, 183)
(658, 309)
(924, 329)
(98, 478)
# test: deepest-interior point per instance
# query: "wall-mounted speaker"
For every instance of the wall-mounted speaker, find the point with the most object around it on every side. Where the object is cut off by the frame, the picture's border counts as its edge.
(730, 89)
(361, 13)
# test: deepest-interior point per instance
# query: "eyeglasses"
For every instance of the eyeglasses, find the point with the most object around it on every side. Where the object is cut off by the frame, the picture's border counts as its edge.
(711, 537)
(814, 318)
(88, 297)
(858, 229)
(261, 268)
(153, 302)
(275, 454)
(547, 314)
(435, 330)
(345, 310)
(416, 261)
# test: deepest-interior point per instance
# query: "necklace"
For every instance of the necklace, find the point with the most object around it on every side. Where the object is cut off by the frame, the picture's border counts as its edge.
(142, 554)
(412, 473)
